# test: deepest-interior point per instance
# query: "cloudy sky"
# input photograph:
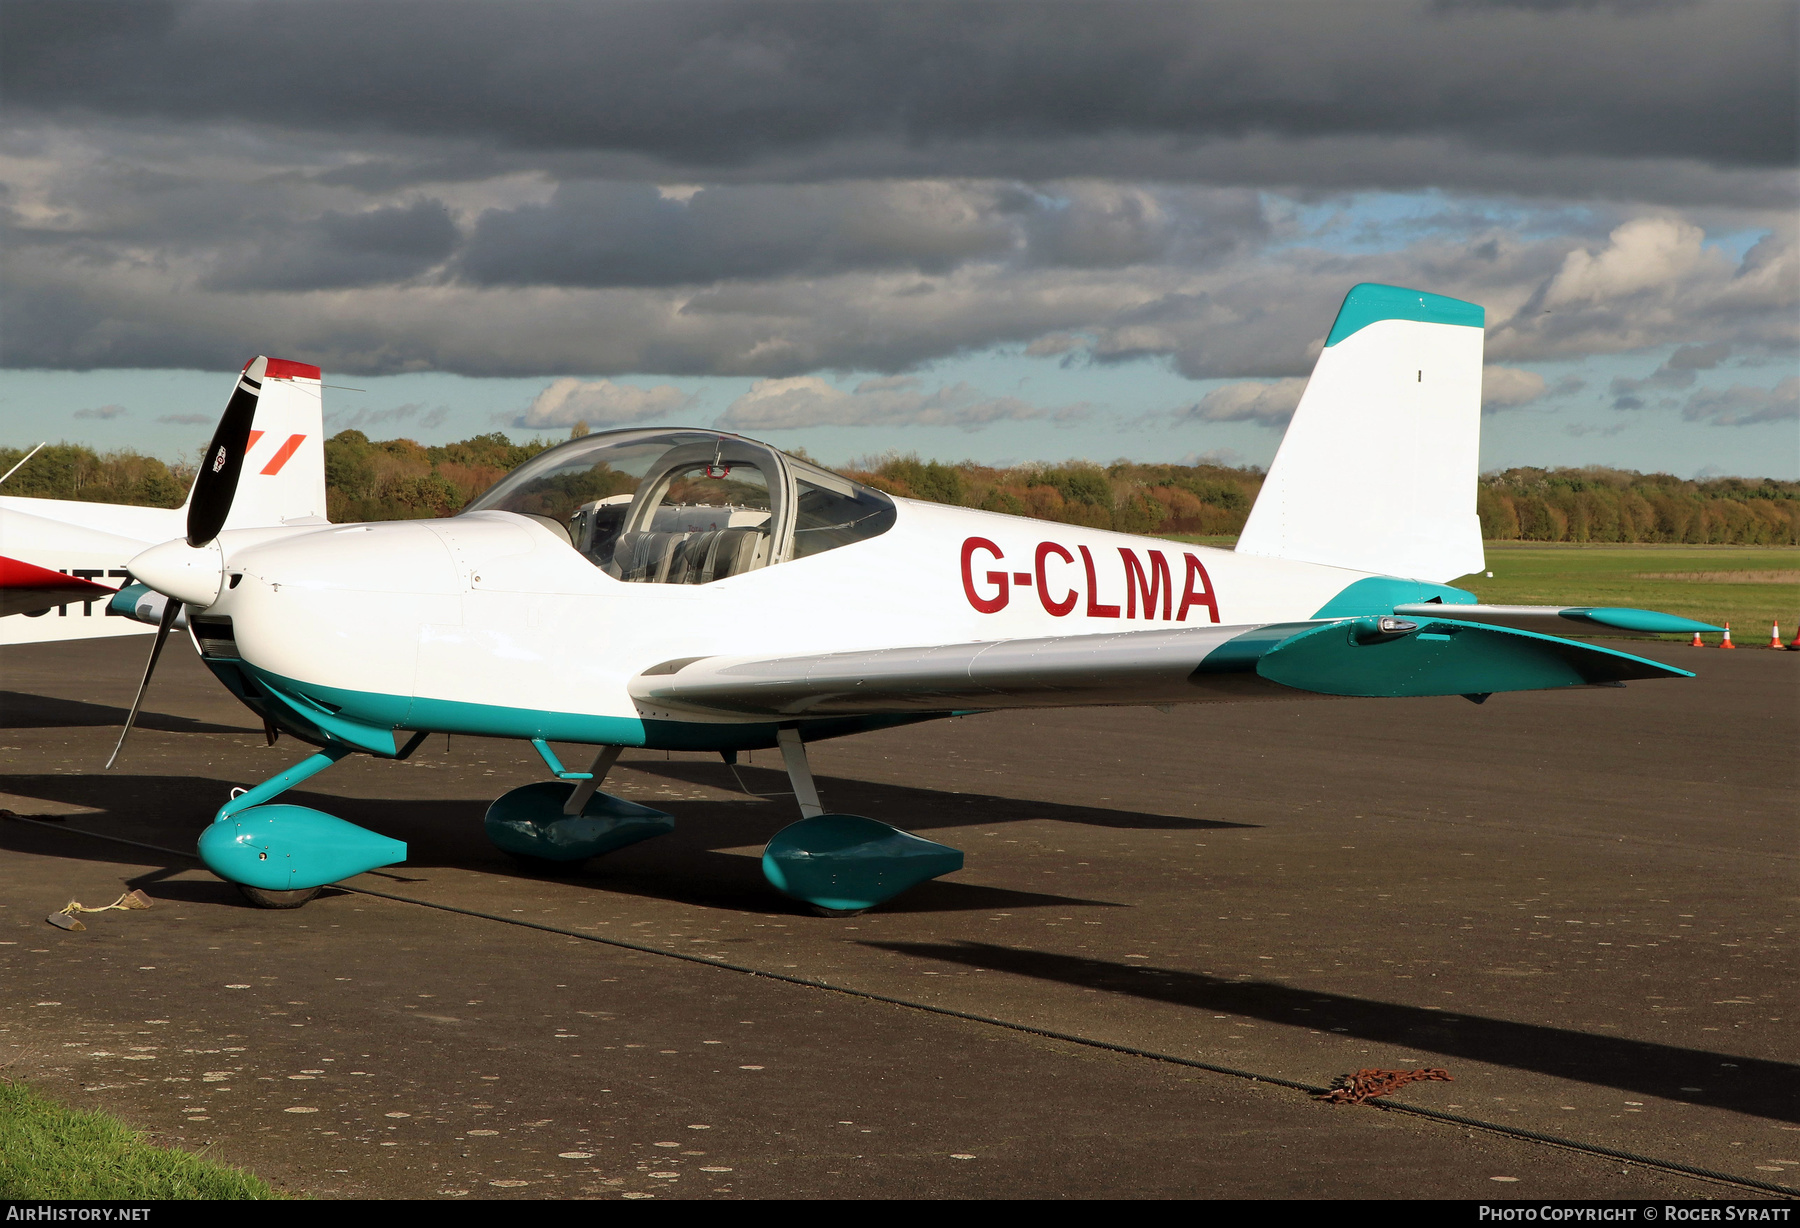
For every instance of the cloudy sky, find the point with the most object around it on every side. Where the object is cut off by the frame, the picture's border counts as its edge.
(1003, 231)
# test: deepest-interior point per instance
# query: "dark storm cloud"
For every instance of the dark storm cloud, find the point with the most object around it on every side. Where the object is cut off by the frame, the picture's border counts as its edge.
(713, 85)
(339, 250)
(774, 190)
(628, 234)
(631, 234)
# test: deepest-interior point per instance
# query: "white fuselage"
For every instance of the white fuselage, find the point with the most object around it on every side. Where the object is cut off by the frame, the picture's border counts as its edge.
(492, 610)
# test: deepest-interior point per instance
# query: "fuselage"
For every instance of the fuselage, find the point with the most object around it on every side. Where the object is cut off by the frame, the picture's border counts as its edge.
(492, 623)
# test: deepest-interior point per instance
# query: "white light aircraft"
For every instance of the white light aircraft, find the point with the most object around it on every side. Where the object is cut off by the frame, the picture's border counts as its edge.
(692, 590)
(62, 560)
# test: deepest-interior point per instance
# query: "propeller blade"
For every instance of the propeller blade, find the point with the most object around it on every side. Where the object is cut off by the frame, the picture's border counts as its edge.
(223, 461)
(170, 613)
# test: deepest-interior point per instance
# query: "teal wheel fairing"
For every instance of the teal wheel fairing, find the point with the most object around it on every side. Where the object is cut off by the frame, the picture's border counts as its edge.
(846, 863)
(290, 848)
(529, 822)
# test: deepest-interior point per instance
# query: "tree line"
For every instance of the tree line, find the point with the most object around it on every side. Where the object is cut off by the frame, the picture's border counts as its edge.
(399, 479)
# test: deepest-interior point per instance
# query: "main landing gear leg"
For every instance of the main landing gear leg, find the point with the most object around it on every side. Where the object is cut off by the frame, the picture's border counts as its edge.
(279, 856)
(842, 864)
(558, 824)
(793, 755)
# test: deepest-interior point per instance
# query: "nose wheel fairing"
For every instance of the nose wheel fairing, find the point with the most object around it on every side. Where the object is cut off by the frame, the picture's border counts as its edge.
(291, 848)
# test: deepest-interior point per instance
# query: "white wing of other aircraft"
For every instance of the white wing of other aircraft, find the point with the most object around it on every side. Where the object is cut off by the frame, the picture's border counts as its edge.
(691, 590)
(61, 560)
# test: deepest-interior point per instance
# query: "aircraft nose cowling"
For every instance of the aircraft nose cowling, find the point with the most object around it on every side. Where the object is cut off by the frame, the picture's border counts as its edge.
(389, 557)
(191, 574)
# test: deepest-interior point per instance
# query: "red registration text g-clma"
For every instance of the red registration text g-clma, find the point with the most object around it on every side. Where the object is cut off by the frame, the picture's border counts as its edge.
(1149, 583)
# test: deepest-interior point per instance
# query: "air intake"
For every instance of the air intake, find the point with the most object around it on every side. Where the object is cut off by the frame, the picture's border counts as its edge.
(215, 636)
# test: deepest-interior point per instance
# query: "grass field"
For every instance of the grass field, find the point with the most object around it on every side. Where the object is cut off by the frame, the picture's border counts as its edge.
(48, 1151)
(1747, 586)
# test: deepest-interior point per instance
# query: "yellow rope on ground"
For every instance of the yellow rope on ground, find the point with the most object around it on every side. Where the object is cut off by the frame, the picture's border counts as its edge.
(69, 919)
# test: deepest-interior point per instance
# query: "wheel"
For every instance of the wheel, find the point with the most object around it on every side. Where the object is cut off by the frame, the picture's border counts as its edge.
(837, 912)
(278, 899)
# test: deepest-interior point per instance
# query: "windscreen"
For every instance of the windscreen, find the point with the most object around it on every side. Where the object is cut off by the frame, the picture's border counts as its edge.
(687, 507)
(657, 507)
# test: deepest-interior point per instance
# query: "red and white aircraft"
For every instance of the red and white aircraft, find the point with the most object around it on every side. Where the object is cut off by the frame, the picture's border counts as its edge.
(62, 560)
(693, 590)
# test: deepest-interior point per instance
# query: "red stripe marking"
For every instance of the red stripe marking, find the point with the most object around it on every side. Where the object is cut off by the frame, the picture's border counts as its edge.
(254, 436)
(16, 573)
(281, 458)
(281, 368)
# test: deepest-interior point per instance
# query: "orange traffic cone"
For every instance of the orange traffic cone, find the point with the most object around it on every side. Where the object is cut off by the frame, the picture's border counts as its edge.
(1726, 642)
(1696, 643)
(1795, 646)
(1775, 637)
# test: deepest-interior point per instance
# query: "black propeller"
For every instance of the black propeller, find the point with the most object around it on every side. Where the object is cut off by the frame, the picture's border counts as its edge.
(170, 613)
(209, 503)
(223, 461)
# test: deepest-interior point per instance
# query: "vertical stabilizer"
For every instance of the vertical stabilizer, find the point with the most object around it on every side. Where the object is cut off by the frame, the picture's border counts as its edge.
(1378, 469)
(283, 479)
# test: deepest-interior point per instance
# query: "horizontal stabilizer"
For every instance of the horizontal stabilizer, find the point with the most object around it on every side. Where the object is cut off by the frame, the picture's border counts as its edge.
(1392, 658)
(1564, 620)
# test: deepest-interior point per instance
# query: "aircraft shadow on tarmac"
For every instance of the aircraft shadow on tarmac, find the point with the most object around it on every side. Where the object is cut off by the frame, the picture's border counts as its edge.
(19, 710)
(1740, 1084)
(917, 809)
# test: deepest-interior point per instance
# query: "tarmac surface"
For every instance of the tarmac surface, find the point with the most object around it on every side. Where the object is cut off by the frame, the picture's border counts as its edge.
(1293, 890)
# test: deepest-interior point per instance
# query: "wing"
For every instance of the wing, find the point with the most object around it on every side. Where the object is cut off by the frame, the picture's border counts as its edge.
(1375, 656)
(1561, 619)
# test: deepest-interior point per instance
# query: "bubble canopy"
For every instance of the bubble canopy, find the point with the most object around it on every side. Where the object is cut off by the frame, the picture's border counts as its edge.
(687, 506)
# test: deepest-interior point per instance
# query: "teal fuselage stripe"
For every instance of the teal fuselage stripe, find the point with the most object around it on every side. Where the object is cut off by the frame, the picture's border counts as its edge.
(367, 720)
(1371, 302)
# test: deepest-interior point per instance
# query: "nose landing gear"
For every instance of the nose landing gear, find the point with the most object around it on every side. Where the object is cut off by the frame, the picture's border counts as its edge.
(280, 856)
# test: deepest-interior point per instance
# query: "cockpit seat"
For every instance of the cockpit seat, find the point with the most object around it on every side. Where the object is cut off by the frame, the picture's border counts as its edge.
(736, 551)
(644, 557)
(691, 558)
